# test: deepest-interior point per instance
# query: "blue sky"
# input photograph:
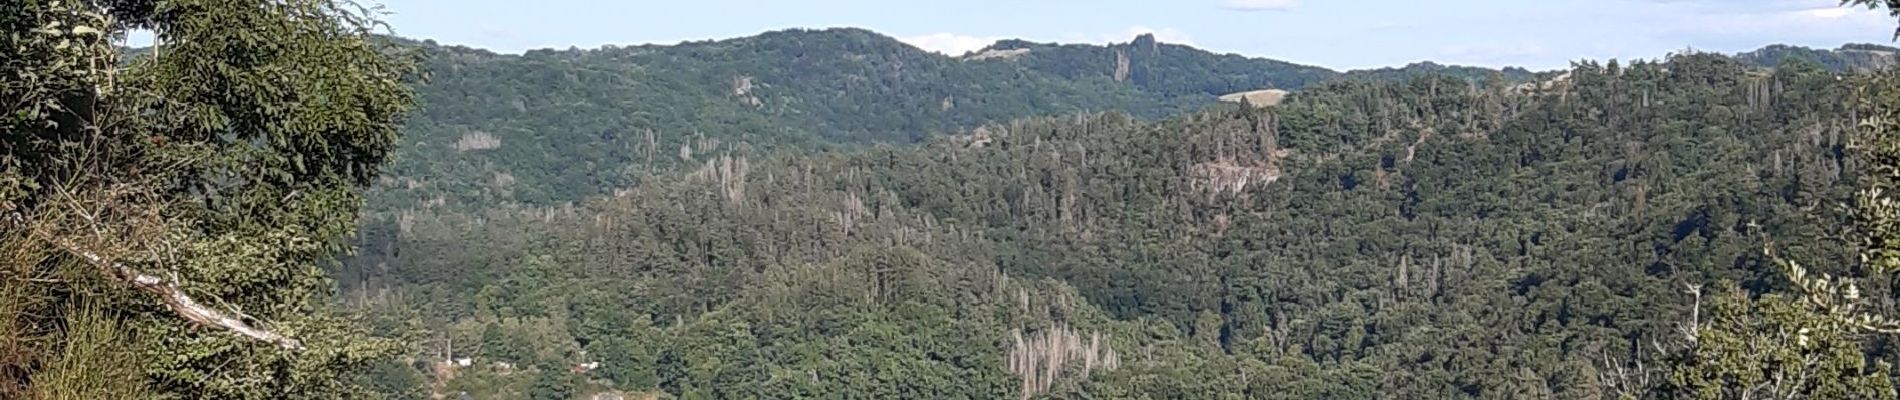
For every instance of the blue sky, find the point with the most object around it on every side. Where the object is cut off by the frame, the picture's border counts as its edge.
(1344, 34)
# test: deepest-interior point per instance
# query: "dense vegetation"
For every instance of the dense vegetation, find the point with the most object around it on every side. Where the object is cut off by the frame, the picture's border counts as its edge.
(1427, 238)
(553, 126)
(165, 219)
(835, 214)
(1858, 57)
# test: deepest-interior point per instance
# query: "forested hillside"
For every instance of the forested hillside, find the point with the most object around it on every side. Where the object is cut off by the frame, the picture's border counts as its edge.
(1857, 57)
(1432, 237)
(553, 126)
(254, 207)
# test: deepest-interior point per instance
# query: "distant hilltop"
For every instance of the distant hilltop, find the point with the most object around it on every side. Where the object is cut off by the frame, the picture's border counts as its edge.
(504, 127)
(1856, 57)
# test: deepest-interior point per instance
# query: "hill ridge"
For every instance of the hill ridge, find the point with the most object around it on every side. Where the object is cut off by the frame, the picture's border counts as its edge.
(561, 125)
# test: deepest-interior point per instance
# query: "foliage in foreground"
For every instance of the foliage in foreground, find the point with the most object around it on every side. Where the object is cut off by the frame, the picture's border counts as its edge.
(164, 219)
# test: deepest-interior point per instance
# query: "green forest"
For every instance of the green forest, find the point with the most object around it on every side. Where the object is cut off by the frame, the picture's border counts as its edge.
(287, 201)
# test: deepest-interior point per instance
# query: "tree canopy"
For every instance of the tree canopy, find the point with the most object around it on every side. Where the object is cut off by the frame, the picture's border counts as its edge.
(167, 216)
(249, 209)
(1431, 237)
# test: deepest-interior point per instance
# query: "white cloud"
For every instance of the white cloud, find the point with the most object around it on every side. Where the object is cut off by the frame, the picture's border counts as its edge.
(1826, 13)
(1260, 5)
(949, 43)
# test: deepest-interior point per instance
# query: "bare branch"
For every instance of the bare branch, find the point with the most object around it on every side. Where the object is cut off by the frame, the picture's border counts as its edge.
(167, 290)
(1695, 314)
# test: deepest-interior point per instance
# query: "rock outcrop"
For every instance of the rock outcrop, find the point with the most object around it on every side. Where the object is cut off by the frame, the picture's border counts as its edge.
(1257, 98)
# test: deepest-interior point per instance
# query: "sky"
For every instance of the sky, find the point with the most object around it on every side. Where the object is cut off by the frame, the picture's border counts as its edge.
(1340, 34)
